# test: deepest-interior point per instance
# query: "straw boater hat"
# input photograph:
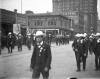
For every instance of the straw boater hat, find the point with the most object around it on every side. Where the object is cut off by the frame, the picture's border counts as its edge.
(28, 34)
(9, 33)
(93, 34)
(97, 34)
(77, 35)
(85, 34)
(81, 35)
(39, 33)
(90, 37)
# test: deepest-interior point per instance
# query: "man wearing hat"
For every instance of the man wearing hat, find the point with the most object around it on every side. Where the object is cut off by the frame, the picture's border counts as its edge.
(49, 38)
(10, 42)
(41, 58)
(91, 41)
(34, 39)
(28, 41)
(97, 52)
(20, 42)
(81, 54)
(74, 45)
(86, 40)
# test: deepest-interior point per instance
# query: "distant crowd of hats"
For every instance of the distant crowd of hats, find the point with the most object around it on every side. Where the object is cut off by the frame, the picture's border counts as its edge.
(38, 33)
(84, 35)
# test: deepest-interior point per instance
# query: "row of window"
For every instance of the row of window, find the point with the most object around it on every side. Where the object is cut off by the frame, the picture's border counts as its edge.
(50, 23)
(69, 14)
(75, 4)
(74, 9)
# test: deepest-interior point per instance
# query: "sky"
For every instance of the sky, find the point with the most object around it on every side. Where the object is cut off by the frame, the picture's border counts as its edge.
(37, 6)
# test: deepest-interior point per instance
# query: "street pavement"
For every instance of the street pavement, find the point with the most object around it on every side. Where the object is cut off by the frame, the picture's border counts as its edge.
(63, 66)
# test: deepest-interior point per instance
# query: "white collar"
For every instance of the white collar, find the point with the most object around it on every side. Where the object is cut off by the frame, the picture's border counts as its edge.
(41, 43)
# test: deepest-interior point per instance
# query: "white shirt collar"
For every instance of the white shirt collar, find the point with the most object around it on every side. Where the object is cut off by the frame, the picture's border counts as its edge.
(41, 42)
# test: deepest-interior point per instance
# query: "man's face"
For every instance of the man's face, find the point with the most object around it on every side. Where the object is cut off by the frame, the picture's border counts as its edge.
(39, 38)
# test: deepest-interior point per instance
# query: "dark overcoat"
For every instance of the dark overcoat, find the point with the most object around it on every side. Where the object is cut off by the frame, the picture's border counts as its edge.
(46, 56)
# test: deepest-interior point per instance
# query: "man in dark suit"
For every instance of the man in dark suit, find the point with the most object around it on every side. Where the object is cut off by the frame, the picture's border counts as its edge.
(41, 58)
(10, 42)
(86, 41)
(97, 51)
(28, 42)
(34, 39)
(74, 45)
(81, 54)
(91, 41)
(20, 42)
(49, 38)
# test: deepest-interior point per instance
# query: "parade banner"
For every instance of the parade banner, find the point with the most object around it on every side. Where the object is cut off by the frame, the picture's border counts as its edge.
(16, 28)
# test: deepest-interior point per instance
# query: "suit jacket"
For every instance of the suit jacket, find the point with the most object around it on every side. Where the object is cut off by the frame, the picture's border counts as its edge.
(9, 40)
(74, 45)
(20, 40)
(46, 56)
(97, 47)
(86, 46)
(81, 48)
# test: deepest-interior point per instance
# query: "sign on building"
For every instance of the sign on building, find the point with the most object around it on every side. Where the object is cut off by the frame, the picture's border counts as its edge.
(29, 31)
(16, 28)
(22, 20)
(76, 21)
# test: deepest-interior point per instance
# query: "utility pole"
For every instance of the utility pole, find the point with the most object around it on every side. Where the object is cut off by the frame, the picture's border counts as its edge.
(21, 6)
(79, 15)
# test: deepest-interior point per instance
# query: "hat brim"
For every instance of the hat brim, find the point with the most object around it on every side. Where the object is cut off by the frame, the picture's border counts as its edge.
(39, 35)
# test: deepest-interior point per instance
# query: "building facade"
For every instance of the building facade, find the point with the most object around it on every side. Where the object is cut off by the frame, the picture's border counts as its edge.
(9, 18)
(98, 26)
(53, 24)
(88, 7)
(22, 20)
(77, 20)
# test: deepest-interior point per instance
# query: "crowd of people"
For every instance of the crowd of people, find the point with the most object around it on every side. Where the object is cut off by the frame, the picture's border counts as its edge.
(62, 39)
(11, 40)
(84, 44)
